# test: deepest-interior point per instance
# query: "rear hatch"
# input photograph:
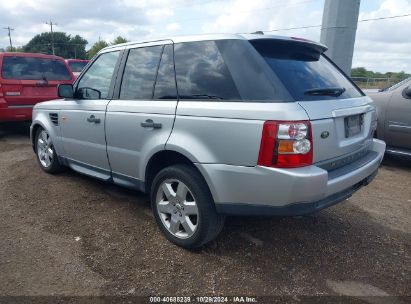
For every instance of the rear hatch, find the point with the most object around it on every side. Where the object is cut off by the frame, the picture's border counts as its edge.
(28, 80)
(342, 117)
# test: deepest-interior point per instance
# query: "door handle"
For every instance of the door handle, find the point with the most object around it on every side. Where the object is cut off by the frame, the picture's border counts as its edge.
(149, 123)
(93, 119)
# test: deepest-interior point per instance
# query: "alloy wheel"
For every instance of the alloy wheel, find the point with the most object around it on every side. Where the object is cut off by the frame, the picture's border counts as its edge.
(44, 149)
(177, 208)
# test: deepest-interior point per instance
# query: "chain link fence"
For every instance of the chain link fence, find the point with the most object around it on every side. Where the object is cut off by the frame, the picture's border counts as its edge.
(376, 83)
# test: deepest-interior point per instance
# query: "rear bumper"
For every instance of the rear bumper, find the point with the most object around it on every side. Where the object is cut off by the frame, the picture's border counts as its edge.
(273, 191)
(15, 113)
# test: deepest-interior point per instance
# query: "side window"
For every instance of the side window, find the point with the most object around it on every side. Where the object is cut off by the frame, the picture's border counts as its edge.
(140, 73)
(95, 83)
(201, 72)
(165, 87)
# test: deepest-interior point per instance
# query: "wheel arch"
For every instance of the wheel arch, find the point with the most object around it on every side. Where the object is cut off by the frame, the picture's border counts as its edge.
(163, 159)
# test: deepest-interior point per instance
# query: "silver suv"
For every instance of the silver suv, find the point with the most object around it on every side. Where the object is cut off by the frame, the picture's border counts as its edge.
(214, 125)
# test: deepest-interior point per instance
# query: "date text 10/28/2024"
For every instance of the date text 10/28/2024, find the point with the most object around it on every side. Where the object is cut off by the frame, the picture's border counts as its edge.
(206, 299)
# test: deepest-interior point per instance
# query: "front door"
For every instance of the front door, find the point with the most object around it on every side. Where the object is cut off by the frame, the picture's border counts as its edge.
(83, 118)
(139, 121)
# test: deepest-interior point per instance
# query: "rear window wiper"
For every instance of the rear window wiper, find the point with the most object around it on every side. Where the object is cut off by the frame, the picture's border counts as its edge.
(200, 96)
(325, 92)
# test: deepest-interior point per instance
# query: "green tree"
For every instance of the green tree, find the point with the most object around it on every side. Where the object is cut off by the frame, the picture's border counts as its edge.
(19, 49)
(78, 47)
(96, 48)
(64, 45)
(119, 40)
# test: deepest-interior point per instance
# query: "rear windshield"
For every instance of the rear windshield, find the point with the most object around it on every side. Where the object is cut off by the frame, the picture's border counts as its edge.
(32, 68)
(77, 66)
(301, 69)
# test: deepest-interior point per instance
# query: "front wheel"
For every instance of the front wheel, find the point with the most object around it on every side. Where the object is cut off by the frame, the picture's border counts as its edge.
(46, 154)
(184, 208)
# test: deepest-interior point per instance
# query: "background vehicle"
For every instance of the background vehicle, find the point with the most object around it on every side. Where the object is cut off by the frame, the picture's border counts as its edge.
(394, 117)
(282, 133)
(27, 79)
(76, 65)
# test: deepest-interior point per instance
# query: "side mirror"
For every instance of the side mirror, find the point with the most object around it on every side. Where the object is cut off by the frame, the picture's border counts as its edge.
(407, 91)
(65, 90)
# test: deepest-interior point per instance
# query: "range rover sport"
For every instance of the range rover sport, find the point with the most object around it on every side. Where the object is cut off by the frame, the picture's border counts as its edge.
(214, 125)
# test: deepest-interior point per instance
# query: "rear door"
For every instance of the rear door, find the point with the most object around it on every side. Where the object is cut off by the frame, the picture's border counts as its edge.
(29, 80)
(342, 117)
(139, 121)
(83, 118)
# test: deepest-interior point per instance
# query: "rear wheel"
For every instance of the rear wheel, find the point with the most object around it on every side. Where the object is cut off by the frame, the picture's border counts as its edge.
(184, 208)
(46, 154)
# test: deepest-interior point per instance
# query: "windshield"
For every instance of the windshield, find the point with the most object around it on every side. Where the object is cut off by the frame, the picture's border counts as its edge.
(33, 68)
(77, 66)
(304, 71)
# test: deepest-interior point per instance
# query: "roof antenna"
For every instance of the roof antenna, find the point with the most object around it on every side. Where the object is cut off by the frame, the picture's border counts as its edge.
(258, 32)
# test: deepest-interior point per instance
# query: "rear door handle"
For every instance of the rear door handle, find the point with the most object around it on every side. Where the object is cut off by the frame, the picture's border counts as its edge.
(93, 119)
(149, 123)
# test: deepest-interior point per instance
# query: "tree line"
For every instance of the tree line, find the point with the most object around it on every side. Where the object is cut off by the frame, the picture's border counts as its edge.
(364, 73)
(65, 45)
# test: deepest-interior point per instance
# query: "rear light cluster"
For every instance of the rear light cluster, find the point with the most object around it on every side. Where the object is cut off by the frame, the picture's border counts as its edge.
(1, 91)
(286, 144)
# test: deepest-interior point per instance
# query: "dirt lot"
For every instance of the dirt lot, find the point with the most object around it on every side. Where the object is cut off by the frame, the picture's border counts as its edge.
(71, 235)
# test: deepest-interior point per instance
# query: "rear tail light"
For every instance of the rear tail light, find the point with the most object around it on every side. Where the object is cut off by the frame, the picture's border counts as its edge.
(286, 144)
(1, 91)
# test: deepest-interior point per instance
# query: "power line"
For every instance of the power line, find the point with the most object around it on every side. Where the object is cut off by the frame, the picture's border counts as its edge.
(319, 25)
(9, 29)
(52, 35)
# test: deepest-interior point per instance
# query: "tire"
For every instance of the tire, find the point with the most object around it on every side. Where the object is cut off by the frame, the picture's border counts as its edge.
(184, 208)
(46, 154)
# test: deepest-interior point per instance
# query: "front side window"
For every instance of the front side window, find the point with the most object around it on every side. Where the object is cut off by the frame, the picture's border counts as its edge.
(95, 83)
(201, 72)
(34, 68)
(140, 73)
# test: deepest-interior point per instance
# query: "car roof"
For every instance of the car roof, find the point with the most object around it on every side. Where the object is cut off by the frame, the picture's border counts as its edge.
(36, 55)
(208, 37)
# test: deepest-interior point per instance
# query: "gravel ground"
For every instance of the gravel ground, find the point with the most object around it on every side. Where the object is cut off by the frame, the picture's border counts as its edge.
(71, 235)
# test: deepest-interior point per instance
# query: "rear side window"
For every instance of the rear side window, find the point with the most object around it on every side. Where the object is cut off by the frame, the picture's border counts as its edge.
(229, 69)
(165, 87)
(302, 68)
(140, 73)
(33, 68)
(201, 72)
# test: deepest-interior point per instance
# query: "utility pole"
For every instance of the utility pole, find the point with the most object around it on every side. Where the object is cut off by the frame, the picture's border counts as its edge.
(340, 18)
(9, 29)
(51, 32)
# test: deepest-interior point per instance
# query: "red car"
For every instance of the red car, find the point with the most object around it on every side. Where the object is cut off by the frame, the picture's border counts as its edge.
(26, 79)
(77, 65)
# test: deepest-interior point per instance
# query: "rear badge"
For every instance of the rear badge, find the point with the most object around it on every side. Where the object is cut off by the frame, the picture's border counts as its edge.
(325, 134)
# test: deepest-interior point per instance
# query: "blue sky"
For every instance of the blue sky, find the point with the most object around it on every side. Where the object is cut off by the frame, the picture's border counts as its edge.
(380, 45)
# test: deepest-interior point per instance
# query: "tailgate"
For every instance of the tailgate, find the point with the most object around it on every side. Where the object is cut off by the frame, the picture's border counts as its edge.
(29, 92)
(341, 127)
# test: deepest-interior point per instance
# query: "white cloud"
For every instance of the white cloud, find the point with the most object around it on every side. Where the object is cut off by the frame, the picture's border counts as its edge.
(173, 26)
(381, 45)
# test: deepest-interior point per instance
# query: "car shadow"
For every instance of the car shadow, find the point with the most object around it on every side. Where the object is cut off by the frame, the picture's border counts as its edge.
(392, 162)
(13, 129)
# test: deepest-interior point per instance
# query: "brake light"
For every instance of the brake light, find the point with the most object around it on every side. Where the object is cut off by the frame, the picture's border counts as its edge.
(1, 91)
(286, 144)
